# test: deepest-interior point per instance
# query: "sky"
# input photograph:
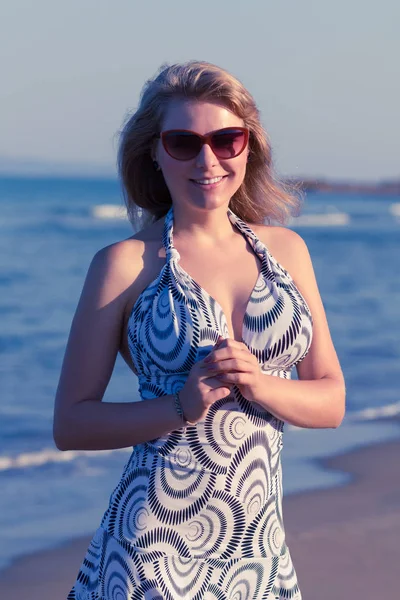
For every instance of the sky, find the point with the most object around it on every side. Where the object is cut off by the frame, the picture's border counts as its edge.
(325, 76)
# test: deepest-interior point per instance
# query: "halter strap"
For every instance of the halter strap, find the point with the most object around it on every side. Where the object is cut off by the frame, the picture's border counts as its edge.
(173, 254)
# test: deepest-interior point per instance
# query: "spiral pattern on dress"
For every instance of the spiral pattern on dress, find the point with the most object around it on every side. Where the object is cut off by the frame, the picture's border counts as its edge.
(197, 514)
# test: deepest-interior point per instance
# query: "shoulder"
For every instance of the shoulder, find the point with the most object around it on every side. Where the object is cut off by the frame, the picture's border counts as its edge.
(116, 270)
(111, 274)
(124, 257)
(117, 259)
(287, 247)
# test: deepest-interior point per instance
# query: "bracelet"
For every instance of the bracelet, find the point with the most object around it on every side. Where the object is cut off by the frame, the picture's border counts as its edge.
(179, 410)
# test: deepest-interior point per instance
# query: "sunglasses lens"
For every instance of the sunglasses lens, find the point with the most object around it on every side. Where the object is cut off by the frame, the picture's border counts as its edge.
(185, 145)
(181, 145)
(229, 143)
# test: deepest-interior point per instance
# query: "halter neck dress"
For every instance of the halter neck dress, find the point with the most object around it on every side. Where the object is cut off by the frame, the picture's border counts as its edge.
(197, 513)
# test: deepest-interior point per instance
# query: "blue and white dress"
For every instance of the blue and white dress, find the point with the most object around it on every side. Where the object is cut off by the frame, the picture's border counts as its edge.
(197, 513)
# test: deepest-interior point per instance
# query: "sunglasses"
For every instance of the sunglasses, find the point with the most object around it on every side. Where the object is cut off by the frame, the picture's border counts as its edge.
(183, 144)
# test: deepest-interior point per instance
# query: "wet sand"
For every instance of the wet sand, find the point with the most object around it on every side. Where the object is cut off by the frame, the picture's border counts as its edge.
(344, 541)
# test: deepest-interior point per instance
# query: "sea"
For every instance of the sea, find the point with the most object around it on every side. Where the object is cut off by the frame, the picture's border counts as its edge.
(50, 229)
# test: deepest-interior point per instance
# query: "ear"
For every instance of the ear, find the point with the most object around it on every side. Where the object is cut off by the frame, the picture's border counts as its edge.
(154, 150)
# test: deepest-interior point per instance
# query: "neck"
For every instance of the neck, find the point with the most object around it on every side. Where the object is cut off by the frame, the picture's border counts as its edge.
(204, 227)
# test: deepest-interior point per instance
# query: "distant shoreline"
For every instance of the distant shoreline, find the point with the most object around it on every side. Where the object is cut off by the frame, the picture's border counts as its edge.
(389, 188)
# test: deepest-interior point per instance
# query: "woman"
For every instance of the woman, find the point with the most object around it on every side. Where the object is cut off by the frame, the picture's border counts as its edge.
(201, 305)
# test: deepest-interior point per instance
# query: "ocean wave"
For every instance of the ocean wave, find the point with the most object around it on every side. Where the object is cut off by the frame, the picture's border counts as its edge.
(379, 412)
(112, 211)
(394, 209)
(366, 414)
(50, 455)
(102, 214)
(332, 219)
(109, 211)
(322, 219)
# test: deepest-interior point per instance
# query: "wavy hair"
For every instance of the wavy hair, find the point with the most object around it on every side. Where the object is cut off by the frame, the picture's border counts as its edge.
(261, 197)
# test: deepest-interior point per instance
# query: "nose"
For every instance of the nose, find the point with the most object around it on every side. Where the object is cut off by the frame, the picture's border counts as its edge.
(206, 158)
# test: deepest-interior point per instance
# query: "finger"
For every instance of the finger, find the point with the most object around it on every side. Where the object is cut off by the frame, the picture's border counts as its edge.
(230, 364)
(209, 379)
(231, 343)
(234, 378)
(230, 352)
(213, 382)
(217, 344)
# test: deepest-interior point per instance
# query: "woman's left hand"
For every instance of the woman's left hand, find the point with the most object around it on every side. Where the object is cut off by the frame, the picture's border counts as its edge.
(232, 362)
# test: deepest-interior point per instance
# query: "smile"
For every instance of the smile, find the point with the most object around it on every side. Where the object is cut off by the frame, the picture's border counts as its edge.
(207, 182)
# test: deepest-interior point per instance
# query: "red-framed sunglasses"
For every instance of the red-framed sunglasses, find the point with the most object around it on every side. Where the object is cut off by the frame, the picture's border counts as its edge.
(183, 144)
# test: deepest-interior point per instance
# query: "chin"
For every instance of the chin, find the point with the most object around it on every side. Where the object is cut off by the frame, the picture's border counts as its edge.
(213, 201)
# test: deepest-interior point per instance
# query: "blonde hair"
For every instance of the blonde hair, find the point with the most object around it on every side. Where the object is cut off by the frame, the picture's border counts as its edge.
(261, 197)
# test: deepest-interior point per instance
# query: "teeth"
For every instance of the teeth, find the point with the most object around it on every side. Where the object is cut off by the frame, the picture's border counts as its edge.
(208, 181)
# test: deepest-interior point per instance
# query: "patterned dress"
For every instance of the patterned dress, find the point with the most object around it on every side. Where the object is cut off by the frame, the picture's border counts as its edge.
(197, 513)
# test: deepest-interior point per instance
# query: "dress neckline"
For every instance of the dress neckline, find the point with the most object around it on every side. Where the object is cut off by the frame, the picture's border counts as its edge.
(168, 237)
(173, 255)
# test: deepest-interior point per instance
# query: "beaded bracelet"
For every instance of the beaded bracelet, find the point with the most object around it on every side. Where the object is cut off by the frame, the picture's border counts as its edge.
(179, 410)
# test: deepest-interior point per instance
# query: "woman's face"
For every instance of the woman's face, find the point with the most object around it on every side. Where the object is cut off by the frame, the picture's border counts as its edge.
(183, 177)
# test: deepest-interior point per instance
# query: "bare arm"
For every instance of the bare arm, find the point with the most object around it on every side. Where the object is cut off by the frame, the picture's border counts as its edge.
(94, 425)
(81, 419)
(313, 404)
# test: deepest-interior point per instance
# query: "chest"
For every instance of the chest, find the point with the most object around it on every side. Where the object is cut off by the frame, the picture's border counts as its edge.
(229, 278)
(176, 319)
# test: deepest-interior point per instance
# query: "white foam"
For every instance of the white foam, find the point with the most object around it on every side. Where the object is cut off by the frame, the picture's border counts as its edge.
(366, 414)
(394, 209)
(322, 220)
(109, 211)
(369, 414)
(49, 455)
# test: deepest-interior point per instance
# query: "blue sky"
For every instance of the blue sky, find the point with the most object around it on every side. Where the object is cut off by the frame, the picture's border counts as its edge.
(325, 76)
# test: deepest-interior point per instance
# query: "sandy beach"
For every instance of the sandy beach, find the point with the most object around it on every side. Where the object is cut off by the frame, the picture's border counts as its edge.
(344, 541)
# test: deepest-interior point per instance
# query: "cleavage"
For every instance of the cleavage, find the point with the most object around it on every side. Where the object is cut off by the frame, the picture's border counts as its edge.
(230, 283)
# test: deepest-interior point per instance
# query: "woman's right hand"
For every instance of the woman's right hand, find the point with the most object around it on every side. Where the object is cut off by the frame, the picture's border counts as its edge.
(201, 390)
